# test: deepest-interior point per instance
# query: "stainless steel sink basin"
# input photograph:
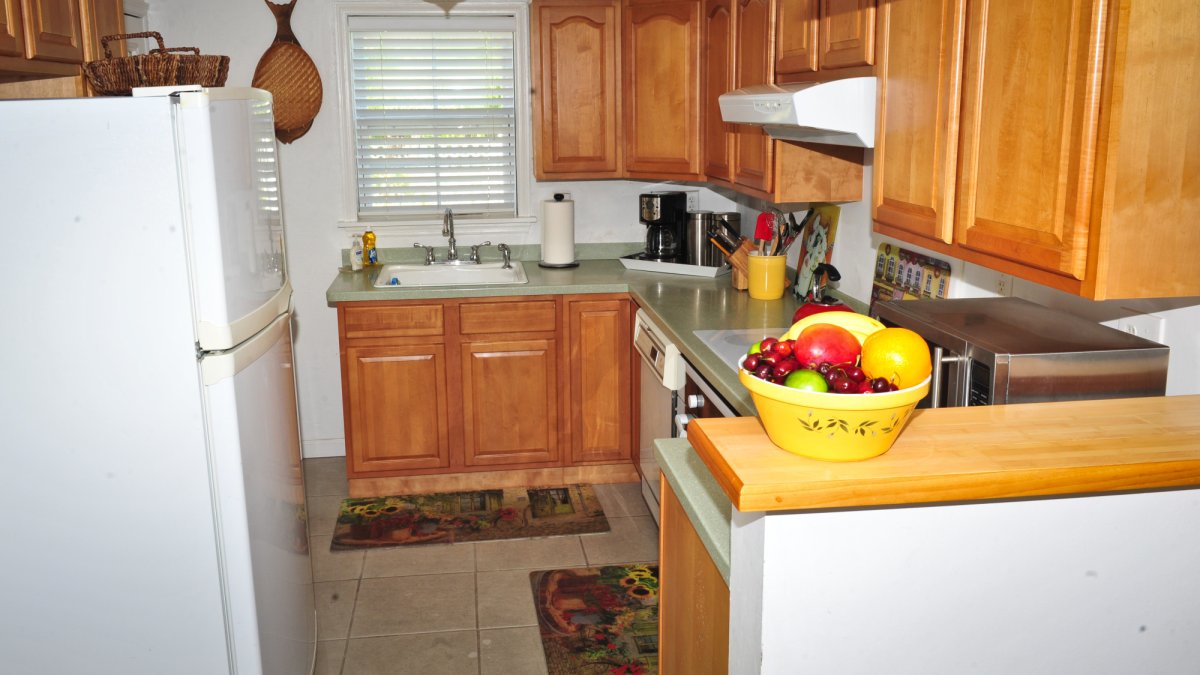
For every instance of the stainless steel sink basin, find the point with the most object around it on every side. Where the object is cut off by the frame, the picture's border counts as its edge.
(409, 276)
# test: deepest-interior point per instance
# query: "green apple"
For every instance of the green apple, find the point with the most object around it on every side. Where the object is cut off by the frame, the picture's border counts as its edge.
(807, 380)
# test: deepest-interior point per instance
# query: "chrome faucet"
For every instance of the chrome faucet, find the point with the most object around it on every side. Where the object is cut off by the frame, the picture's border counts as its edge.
(448, 231)
(503, 248)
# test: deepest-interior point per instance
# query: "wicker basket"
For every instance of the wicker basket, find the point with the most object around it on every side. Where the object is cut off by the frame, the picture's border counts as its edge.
(117, 76)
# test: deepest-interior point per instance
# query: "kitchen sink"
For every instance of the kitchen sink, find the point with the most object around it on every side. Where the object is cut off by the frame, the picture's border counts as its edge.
(408, 276)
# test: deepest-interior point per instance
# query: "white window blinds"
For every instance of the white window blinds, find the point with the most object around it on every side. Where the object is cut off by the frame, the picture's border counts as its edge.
(434, 118)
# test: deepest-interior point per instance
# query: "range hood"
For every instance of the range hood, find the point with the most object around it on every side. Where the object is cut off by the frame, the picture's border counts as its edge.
(841, 112)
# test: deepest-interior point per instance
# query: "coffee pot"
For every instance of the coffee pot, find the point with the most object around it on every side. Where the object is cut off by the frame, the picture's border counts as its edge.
(664, 214)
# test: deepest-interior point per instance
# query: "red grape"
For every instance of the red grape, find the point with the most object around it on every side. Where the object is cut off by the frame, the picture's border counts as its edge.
(763, 372)
(750, 363)
(784, 348)
(844, 385)
(855, 373)
(768, 344)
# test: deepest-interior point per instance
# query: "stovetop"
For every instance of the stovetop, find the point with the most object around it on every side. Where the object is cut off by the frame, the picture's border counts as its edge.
(731, 344)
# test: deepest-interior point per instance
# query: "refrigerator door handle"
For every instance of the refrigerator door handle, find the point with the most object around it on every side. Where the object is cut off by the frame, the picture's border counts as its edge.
(218, 366)
(213, 337)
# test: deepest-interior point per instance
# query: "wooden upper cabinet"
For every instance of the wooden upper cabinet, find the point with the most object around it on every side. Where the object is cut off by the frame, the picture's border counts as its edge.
(1025, 181)
(814, 36)
(717, 73)
(575, 54)
(1054, 141)
(753, 149)
(52, 30)
(661, 98)
(796, 36)
(847, 33)
(100, 18)
(919, 83)
(12, 37)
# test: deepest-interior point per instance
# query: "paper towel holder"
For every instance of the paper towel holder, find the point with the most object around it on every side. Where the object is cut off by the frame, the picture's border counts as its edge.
(558, 197)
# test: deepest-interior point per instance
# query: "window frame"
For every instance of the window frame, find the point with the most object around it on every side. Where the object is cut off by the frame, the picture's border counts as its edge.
(431, 228)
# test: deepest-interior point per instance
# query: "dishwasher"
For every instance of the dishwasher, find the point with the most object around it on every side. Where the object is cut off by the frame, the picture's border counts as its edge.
(672, 394)
(662, 378)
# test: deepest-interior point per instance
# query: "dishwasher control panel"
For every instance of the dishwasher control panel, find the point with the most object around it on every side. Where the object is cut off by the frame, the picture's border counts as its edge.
(658, 352)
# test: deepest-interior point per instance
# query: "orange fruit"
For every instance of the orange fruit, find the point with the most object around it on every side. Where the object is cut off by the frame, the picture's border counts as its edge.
(898, 355)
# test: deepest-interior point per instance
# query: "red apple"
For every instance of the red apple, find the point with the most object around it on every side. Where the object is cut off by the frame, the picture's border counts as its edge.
(825, 342)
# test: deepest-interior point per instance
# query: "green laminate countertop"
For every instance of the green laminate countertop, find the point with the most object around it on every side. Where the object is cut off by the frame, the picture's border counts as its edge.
(705, 503)
(678, 304)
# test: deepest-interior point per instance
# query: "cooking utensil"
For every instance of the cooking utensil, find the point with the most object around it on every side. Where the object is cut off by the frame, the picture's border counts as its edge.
(287, 71)
(764, 230)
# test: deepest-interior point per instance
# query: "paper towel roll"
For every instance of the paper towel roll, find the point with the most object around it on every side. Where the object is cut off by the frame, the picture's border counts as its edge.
(558, 233)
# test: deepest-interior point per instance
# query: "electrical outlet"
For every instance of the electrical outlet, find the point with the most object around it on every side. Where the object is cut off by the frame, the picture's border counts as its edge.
(1147, 326)
(1004, 285)
(693, 200)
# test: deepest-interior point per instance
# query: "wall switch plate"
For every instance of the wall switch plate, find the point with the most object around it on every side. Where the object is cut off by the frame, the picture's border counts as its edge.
(1148, 326)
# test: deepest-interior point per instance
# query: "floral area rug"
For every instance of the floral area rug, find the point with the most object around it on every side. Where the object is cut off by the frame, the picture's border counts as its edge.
(598, 620)
(481, 515)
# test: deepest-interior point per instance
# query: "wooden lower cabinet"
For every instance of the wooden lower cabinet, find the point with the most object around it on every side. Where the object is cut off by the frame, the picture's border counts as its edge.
(599, 347)
(540, 384)
(510, 402)
(396, 408)
(693, 601)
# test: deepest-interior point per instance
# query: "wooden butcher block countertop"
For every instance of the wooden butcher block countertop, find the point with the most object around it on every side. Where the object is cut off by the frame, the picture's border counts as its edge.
(967, 454)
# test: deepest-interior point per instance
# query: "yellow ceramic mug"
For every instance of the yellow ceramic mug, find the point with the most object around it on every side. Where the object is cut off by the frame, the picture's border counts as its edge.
(766, 274)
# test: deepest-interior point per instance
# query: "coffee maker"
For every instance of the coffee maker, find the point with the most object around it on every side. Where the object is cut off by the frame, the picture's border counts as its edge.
(665, 215)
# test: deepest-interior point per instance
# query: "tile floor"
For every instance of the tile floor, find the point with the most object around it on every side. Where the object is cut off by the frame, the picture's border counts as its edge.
(458, 609)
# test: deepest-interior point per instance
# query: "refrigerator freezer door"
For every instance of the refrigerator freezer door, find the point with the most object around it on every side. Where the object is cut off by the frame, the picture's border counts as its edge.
(230, 180)
(254, 451)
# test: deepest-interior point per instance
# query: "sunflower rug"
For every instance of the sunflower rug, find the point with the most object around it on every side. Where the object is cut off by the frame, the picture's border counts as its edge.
(598, 620)
(479, 515)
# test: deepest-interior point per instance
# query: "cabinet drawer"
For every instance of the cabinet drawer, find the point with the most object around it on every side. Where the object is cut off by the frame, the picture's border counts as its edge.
(403, 321)
(508, 317)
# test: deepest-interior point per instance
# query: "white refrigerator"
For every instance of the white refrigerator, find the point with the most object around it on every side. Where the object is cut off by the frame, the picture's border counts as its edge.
(152, 513)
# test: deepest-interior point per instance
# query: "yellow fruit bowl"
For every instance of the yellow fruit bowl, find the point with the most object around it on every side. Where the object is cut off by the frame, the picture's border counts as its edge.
(832, 427)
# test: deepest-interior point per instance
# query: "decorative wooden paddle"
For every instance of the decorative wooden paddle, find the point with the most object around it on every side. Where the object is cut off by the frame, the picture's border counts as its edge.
(287, 71)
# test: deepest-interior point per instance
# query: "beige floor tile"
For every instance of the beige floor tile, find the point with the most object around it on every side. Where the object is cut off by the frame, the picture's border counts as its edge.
(335, 607)
(422, 604)
(529, 554)
(409, 560)
(505, 599)
(329, 657)
(323, 514)
(449, 653)
(633, 539)
(621, 499)
(511, 651)
(325, 476)
(333, 565)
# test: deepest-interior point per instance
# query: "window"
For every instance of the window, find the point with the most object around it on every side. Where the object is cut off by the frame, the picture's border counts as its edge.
(438, 113)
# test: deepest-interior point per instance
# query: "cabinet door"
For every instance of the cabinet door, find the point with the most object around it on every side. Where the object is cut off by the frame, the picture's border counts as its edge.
(916, 151)
(693, 598)
(796, 37)
(52, 30)
(1027, 150)
(717, 72)
(847, 33)
(576, 56)
(396, 408)
(100, 18)
(510, 402)
(752, 147)
(662, 89)
(12, 40)
(599, 348)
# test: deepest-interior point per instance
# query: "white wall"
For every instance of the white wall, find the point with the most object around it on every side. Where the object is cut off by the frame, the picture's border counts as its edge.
(606, 211)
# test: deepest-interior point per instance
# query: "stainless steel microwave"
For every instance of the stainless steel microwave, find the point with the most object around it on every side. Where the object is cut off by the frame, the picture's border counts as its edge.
(1007, 350)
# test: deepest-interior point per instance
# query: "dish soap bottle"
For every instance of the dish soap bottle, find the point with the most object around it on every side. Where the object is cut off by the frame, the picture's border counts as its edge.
(370, 254)
(356, 253)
